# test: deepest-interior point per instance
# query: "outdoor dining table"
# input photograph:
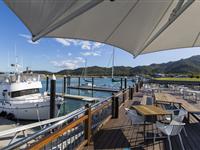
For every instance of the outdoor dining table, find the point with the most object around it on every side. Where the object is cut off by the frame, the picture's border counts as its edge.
(166, 98)
(150, 110)
(195, 94)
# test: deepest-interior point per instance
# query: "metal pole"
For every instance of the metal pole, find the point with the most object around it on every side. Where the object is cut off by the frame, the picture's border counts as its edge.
(130, 93)
(64, 85)
(68, 84)
(125, 83)
(47, 83)
(113, 105)
(68, 81)
(121, 83)
(92, 86)
(79, 81)
(53, 97)
(92, 83)
(116, 107)
(137, 87)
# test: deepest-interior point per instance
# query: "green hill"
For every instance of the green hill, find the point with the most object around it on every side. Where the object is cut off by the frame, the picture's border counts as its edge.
(184, 66)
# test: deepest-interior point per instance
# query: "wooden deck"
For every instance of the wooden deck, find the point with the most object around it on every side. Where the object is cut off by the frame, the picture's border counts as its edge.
(119, 134)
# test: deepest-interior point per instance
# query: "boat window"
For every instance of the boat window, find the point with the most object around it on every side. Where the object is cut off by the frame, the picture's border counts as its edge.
(24, 92)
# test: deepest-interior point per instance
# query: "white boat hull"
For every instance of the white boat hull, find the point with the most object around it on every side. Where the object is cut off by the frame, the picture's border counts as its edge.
(29, 111)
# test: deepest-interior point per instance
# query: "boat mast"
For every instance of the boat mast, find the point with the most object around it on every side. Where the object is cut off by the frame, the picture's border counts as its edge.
(113, 62)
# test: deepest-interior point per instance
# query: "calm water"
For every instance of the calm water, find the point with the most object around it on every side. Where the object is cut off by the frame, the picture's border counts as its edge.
(72, 104)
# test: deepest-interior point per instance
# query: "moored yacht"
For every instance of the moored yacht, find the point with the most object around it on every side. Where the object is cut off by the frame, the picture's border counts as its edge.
(20, 97)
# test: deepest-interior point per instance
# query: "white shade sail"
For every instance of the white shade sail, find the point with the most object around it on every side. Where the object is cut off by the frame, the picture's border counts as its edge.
(136, 26)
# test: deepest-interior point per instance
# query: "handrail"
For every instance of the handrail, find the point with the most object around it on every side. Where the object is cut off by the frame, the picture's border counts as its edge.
(120, 92)
(29, 138)
(23, 141)
(41, 123)
(99, 103)
(38, 124)
(101, 106)
(51, 137)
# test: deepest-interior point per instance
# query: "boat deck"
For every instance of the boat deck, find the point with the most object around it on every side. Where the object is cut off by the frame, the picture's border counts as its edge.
(119, 134)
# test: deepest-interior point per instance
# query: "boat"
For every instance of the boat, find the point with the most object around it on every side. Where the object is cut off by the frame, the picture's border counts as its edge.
(20, 97)
(85, 74)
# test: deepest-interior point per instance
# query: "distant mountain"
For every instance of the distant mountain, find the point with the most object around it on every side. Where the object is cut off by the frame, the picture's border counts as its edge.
(98, 71)
(184, 66)
(42, 72)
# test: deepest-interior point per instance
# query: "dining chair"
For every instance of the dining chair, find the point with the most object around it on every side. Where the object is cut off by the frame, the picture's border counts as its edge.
(180, 117)
(172, 129)
(134, 117)
(137, 119)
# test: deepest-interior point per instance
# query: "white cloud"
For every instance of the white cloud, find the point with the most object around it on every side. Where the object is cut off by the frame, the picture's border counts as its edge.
(69, 63)
(97, 45)
(28, 37)
(67, 42)
(75, 42)
(69, 54)
(85, 45)
(64, 42)
(81, 59)
(97, 53)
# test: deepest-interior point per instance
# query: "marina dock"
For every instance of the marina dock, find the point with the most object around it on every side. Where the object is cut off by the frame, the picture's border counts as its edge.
(95, 88)
(78, 97)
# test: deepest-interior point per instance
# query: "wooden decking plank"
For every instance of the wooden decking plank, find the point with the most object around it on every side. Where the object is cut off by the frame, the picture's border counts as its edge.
(119, 134)
(192, 137)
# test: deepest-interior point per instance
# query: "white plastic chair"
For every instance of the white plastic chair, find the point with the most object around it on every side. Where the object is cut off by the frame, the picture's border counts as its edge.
(179, 118)
(173, 129)
(134, 117)
(181, 115)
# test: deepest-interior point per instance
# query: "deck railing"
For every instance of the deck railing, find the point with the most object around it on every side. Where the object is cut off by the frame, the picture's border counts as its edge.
(77, 129)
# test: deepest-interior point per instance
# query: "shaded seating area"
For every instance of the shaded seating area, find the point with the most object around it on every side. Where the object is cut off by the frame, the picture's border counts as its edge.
(122, 133)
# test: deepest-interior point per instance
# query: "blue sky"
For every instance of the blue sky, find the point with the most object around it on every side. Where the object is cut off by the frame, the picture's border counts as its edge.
(57, 54)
